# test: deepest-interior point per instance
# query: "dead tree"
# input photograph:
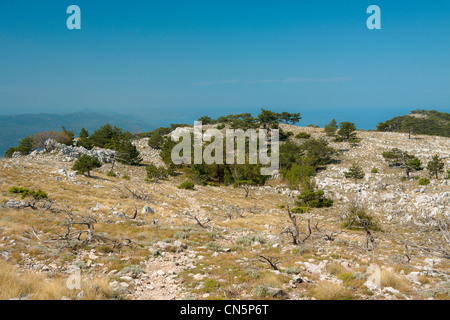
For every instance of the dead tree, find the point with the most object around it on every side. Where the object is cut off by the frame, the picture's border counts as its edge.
(137, 194)
(328, 235)
(203, 225)
(38, 204)
(370, 240)
(81, 236)
(272, 261)
(293, 229)
(135, 213)
(236, 210)
(434, 233)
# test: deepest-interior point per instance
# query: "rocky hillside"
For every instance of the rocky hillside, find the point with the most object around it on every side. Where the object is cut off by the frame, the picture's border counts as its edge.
(135, 239)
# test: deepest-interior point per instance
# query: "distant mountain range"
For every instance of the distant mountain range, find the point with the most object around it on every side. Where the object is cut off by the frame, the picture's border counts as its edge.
(429, 122)
(15, 127)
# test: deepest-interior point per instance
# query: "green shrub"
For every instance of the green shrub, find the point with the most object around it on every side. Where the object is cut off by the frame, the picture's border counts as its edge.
(268, 291)
(180, 235)
(292, 270)
(85, 164)
(346, 277)
(214, 246)
(374, 170)
(313, 199)
(187, 185)
(220, 126)
(25, 147)
(135, 269)
(299, 210)
(424, 182)
(210, 285)
(252, 273)
(156, 141)
(111, 173)
(156, 173)
(249, 240)
(303, 135)
(358, 219)
(28, 193)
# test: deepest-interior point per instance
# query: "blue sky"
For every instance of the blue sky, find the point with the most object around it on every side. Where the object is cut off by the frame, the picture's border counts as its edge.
(178, 60)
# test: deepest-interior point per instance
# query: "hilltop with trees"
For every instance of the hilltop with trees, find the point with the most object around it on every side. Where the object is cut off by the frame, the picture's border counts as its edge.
(419, 122)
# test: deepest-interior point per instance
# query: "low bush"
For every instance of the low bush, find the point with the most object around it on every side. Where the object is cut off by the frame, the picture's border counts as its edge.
(424, 182)
(28, 193)
(187, 185)
(357, 219)
(156, 173)
(111, 173)
(313, 199)
(303, 135)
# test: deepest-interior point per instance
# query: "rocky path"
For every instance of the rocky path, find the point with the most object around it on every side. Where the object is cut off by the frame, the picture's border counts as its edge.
(161, 281)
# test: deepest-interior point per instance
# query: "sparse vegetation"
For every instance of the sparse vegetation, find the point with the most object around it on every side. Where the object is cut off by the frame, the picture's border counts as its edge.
(155, 173)
(435, 166)
(399, 158)
(354, 172)
(187, 185)
(424, 182)
(37, 195)
(280, 242)
(303, 135)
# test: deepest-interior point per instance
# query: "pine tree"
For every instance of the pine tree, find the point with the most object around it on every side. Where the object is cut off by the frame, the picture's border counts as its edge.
(25, 146)
(85, 164)
(83, 134)
(268, 118)
(399, 158)
(205, 120)
(435, 166)
(355, 172)
(347, 130)
(331, 128)
(289, 118)
(409, 126)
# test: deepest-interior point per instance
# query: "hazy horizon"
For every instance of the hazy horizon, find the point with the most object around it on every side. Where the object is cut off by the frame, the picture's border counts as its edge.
(370, 119)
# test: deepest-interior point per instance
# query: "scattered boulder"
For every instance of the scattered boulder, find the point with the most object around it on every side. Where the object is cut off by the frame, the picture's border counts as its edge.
(147, 209)
(15, 204)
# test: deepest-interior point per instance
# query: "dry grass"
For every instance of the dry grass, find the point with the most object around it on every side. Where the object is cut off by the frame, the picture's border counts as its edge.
(38, 287)
(327, 290)
(390, 279)
(223, 271)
